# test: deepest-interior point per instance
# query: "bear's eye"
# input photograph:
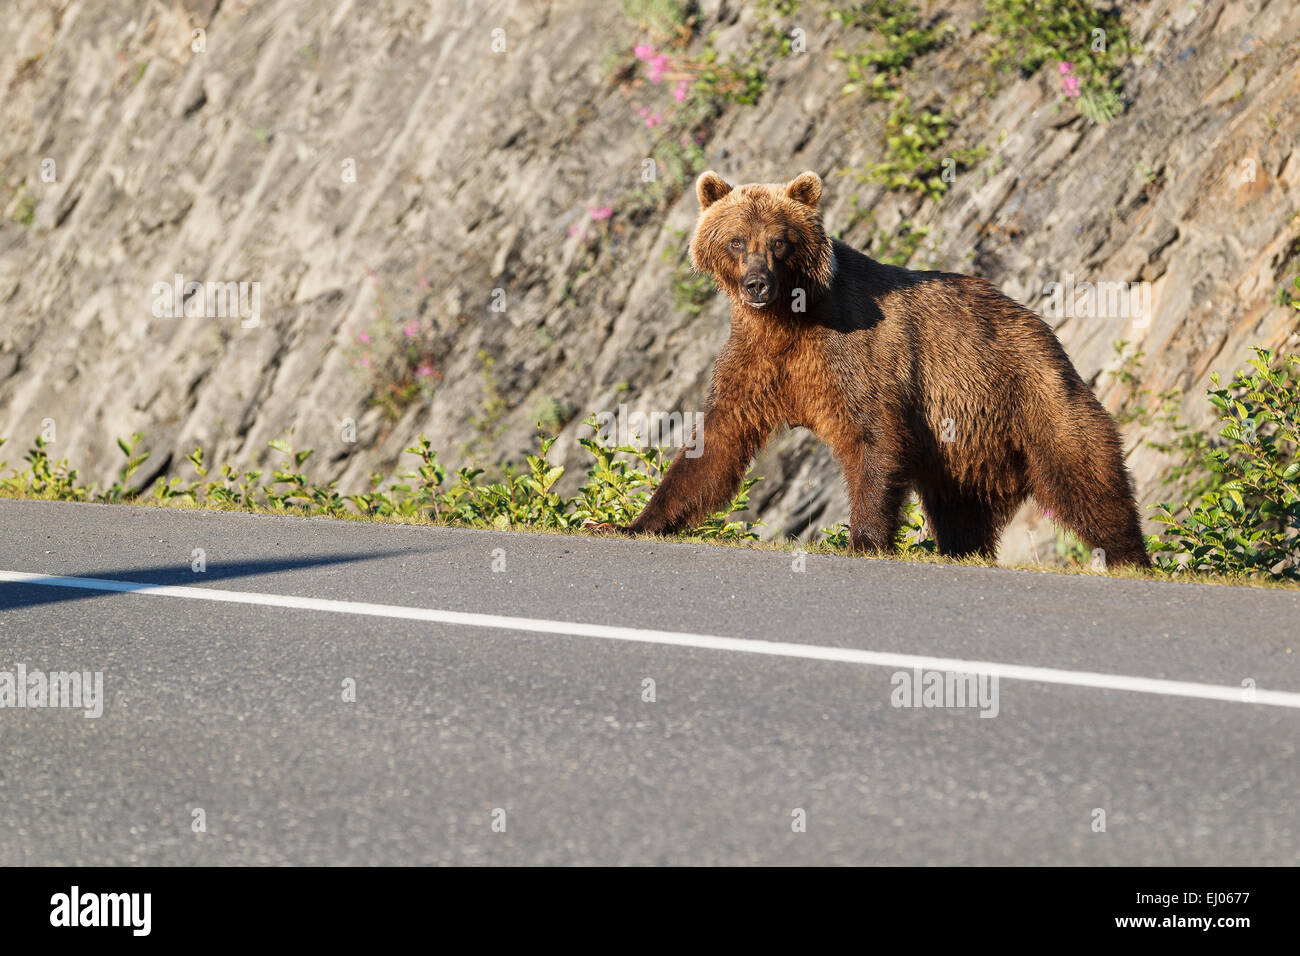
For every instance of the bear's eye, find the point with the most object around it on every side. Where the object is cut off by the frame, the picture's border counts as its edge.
(737, 244)
(780, 246)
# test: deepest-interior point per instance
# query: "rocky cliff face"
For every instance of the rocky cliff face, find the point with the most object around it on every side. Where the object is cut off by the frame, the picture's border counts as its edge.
(441, 217)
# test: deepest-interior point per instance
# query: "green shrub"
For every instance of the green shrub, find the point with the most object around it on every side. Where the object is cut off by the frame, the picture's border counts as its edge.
(1095, 42)
(1249, 522)
(44, 478)
(618, 485)
(1291, 261)
(916, 157)
(738, 79)
(666, 21)
(677, 162)
(551, 414)
(489, 423)
(898, 38)
(913, 536)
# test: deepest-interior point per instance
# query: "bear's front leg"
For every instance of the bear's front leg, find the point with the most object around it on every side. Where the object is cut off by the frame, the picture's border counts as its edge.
(706, 473)
(877, 487)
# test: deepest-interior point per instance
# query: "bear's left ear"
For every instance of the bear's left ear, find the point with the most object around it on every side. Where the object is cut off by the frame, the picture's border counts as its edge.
(806, 188)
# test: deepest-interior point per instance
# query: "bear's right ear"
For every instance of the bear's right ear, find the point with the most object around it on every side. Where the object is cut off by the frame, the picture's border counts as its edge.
(710, 187)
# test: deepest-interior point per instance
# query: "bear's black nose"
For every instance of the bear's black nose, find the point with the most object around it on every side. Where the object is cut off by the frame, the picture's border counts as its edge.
(756, 287)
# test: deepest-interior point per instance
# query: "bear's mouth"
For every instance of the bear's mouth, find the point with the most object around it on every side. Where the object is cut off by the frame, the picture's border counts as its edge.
(755, 305)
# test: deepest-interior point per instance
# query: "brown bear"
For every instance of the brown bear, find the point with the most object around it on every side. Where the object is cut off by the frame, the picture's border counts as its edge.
(929, 381)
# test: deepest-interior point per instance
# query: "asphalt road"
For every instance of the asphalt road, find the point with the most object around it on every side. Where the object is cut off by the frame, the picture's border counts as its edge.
(462, 719)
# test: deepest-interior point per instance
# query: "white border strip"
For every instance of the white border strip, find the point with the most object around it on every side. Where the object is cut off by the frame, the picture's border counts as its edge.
(813, 652)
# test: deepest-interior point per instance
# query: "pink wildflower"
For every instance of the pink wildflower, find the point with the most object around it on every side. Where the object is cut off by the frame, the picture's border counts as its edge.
(679, 94)
(643, 51)
(365, 338)
(1071, 85)
(410, 329)
(1064, 67)
(657, 66)
(653, 120)
(424, 371)
(602, 212)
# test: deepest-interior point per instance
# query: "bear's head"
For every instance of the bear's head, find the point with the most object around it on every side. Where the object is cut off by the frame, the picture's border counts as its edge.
(763, 243)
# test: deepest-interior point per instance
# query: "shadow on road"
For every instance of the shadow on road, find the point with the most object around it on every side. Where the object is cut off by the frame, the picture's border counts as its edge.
(14, 595)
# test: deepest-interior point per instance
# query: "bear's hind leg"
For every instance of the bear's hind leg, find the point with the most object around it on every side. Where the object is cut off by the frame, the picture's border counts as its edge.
(1082, 482)
(965, 525)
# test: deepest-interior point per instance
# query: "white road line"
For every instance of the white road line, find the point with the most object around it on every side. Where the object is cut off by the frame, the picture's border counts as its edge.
(812, 652)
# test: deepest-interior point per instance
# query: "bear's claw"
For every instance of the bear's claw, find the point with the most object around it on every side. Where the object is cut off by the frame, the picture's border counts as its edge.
(603, 527)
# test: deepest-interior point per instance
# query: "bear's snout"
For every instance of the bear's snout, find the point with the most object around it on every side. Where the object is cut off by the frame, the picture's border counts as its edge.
(758, 287)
